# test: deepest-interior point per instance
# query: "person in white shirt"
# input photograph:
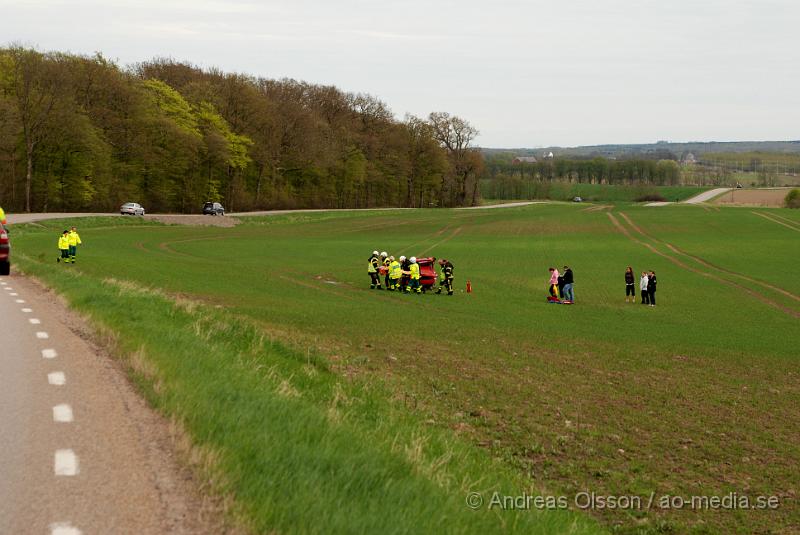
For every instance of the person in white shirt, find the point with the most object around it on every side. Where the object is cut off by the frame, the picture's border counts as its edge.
(643, 288)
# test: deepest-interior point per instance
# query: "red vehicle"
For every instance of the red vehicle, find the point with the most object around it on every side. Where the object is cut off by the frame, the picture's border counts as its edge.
(427, 272)
(5, 252)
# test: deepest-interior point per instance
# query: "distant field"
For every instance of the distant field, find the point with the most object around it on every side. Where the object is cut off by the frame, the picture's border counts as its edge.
(697, 396)
(523, 190)
(754, 180)
(755, 197)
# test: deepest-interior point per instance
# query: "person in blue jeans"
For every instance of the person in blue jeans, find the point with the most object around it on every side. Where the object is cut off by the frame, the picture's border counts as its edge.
(568, 294)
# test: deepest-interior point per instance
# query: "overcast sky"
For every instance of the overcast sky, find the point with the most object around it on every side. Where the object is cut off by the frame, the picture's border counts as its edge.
(525, 73)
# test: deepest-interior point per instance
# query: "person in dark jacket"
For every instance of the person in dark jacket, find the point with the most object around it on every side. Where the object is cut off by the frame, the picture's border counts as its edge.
(651, 288)
(630, 281)
(569, 280)
(372, 269)
(447, 277)
(405, 265)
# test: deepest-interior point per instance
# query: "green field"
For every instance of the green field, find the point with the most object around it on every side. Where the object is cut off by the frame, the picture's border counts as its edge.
(325, 406)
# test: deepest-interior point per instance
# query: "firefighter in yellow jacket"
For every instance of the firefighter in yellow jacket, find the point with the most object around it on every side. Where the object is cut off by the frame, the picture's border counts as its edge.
(395, 273)
(63, 247)
(413, 271)
(372, 269)
(74, 241)
(2, 216)
(385, 268)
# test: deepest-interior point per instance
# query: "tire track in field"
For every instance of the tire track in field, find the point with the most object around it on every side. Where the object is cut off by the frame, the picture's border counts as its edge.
(770, 218)
(455, 233)
(708, 264)
(786, 219)
(165, 245)
(598, 208)
(677, 262)
(318, 287)
(431, 237)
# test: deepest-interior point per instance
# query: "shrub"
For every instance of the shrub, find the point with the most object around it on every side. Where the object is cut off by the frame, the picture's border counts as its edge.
(650, 197)
(792, 199)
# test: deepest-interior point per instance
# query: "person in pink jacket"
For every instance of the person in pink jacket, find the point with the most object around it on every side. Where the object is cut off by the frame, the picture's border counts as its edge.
(554, 283)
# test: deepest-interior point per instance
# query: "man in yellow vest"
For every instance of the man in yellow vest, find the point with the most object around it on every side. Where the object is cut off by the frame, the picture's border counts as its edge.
(413, 283)
(394, 274)
(74, 241)
(63, 247)
(2, 216)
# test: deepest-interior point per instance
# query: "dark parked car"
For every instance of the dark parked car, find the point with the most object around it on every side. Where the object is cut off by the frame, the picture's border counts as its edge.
(131, 208)
(5, 252)
(213, 208)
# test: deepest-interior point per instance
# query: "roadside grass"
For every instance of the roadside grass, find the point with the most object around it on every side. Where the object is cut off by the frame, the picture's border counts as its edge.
(696, 396)
(291, 445)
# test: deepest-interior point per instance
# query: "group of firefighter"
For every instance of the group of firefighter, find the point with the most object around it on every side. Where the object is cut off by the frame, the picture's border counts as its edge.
(402, 274)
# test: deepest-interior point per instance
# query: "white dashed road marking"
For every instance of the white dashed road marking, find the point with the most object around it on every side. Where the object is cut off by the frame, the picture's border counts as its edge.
(34, 321)
(49, 353)
(20, 301)
(57, 378)
(27, 310)
(8, 288)
(13, 294)
(41, 335)
(62, 413)
(66, 463)
(63, 528)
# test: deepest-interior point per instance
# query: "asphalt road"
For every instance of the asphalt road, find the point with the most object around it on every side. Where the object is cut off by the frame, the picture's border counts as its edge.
(80, 452)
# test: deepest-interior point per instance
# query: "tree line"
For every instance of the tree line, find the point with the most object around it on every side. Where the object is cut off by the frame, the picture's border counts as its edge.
(80, 133)
(629, 171)
(506, 179)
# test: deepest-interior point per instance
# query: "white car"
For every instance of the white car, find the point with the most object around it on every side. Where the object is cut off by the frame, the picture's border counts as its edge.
(131, 208)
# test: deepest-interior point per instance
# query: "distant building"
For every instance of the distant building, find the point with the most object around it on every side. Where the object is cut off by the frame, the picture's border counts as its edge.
(524, 159)
(548, 156)
(689, 159)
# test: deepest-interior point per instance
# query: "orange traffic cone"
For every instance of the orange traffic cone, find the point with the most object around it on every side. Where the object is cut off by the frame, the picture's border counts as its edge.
(469, 286)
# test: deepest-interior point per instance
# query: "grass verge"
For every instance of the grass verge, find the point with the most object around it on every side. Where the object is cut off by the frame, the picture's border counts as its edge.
(292, 446)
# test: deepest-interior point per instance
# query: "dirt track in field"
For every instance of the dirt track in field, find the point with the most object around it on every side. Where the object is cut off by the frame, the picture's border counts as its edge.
(708, 264)
(195, 220)
(757, 295)
(779, 220)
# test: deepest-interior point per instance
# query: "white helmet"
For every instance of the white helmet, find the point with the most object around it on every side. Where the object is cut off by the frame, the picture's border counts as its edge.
(402, 258)
(413, 259)
(375, 253)
(384, 254)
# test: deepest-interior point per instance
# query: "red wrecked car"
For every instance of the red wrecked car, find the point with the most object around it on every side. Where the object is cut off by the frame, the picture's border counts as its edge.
(427, 272)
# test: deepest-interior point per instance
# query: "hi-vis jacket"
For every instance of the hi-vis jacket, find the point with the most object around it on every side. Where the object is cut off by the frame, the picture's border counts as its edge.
(372, 264)
(63, 242)
(2, 216)
(74, 238)
(394, 270)
(414, 269)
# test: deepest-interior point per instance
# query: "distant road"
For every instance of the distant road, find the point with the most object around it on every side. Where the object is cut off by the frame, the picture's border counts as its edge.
(30, 218)
(697, 199)
(706, 195)
(504, 205)
(194, 218)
